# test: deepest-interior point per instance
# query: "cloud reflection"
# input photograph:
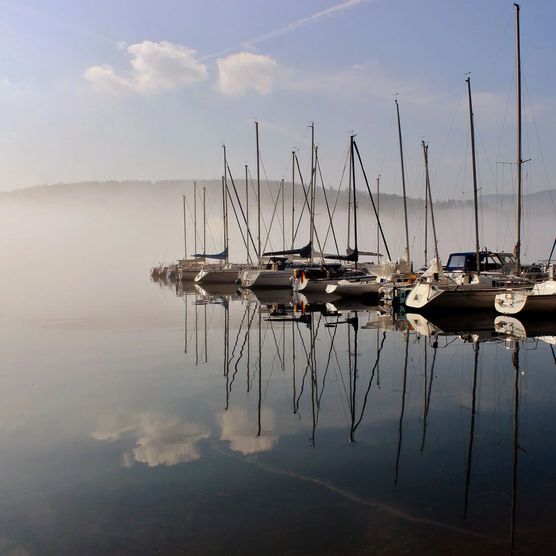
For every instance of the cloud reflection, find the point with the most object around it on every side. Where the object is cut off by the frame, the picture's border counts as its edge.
(241, 433)
(159, 440)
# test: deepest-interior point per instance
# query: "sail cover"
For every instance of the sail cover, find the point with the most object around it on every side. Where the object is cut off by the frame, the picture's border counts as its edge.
(304, 252)
(351, 255)
(218, 256)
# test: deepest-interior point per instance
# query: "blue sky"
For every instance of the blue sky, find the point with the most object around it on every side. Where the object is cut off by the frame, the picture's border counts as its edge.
(116, 90)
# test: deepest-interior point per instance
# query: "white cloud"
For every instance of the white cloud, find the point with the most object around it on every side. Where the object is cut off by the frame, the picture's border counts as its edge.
(240, 72)
(105, 80)
(156, 67)
(159, 440)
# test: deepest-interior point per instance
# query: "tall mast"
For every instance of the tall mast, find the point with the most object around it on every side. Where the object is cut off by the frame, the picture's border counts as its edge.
(377, 220)
(204, 220)
(225, 200)
(474, 163)
(354, 197)
(258, 194)
(429, 197)
(225, 215)
(403, 184)
(426, 211)
(312, 190)
(517, 249)
(247, 210)
(283, 217)
(293, 197)
(184, 231)
(349, 192)
(195, 214)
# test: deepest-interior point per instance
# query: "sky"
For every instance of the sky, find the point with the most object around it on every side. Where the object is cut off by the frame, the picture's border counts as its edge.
(113, 90)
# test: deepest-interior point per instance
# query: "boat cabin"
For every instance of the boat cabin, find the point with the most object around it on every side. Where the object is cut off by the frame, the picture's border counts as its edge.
(489, 261)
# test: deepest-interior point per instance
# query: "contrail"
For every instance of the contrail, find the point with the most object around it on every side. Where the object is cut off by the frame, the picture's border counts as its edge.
(336, 8)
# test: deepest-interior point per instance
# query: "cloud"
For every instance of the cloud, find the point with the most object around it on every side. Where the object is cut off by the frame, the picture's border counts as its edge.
(240, 72)
(155, 67)
(159, 440)
(332, 10)
(241, 433)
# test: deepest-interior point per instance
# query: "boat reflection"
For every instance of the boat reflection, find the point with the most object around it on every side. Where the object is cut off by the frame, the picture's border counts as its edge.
(382, 382)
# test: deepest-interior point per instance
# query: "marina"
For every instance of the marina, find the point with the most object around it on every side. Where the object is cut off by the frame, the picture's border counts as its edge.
(279, 278)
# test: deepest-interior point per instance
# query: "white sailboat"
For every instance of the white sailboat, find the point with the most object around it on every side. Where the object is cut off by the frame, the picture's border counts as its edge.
(540, 299)
(474, 289)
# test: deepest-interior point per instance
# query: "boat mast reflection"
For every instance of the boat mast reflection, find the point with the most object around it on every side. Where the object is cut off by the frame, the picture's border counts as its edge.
(472, 428)
(428, 388)
(402, 409)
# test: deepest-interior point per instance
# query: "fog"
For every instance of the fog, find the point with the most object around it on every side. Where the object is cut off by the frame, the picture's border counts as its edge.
(85, 238)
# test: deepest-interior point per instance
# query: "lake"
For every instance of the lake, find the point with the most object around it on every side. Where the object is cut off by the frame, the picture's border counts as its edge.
(138, 418)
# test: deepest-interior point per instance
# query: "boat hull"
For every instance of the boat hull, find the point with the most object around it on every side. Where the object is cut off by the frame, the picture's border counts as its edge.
(523, 302)
(217, 276)
(188, 274)
(429, 297)
(348, 288)
(307, 285)
(266, 279)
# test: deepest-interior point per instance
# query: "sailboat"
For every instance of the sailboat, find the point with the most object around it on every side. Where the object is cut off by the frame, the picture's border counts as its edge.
(186, 268)
(317, 278)
(387, 274)
(540, 299)
(474, 289)
(275, 268)
(226, 272)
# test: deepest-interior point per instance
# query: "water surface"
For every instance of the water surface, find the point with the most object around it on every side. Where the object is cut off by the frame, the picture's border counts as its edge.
(137, 418)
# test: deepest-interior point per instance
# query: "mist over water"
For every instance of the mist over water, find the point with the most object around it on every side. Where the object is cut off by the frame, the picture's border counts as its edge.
(104, 231)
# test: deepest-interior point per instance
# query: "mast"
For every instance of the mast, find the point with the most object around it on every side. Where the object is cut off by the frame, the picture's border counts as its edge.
(225, 216)
(474, 164)
(429, 197)
(378, 213)
(517, 249)
(312, 190)
(293, 197)
(283, 218)
(247, 211)
(258, 194)
(225, 200)
(204, 220)
(349, 193)
(195, 215)
(184, 231)
(426, 217)
(354, 197)
(403, 184)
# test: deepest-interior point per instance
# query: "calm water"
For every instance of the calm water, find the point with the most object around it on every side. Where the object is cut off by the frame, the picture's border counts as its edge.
(140, 420)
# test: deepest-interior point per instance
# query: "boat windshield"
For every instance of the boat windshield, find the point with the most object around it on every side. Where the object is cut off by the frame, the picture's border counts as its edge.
(456, 262)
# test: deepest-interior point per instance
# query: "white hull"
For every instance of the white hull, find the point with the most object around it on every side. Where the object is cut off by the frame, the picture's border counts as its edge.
(266, 278)
(541, 299)
(436, 298)
(217, 276)
(348, 288)
(307, 285)
(188, 274)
